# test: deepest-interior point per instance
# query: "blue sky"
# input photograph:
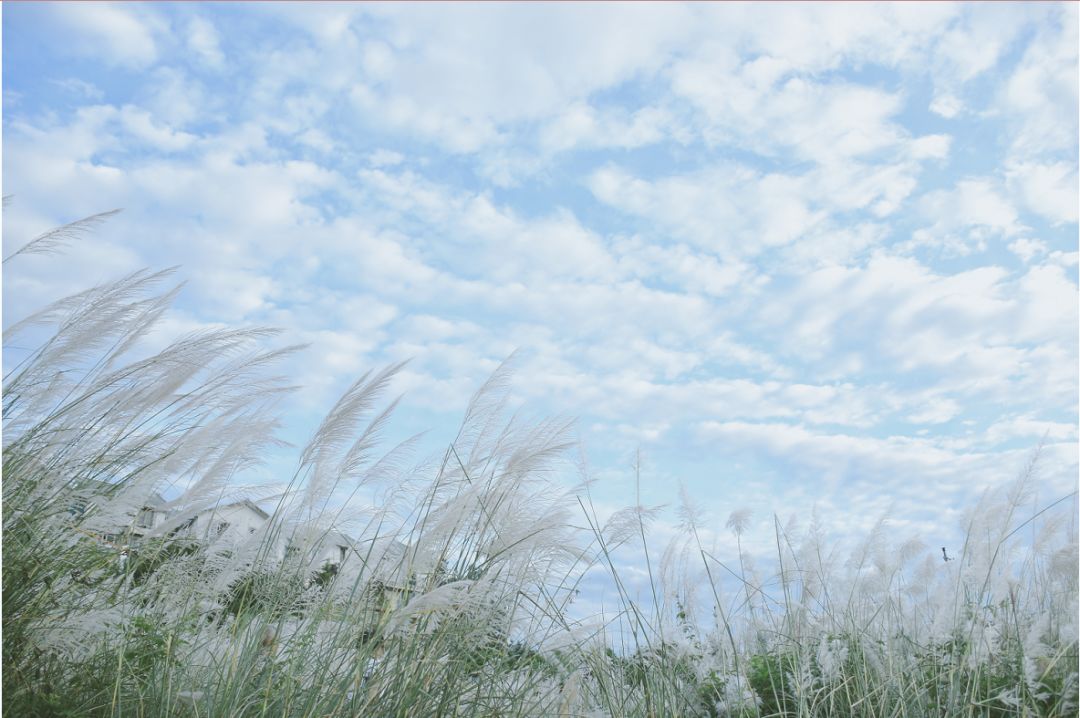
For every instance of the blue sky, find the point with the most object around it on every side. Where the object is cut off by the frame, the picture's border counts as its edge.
(803, 256)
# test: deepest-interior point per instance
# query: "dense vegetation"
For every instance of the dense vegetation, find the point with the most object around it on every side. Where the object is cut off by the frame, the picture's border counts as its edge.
(458, 597)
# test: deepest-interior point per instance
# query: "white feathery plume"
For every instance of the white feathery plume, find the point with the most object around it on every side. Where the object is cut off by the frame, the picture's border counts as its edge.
(317, 461)
(739, 520)
(628, 522)
(54, 239)
(342, 419)
(90, 320)
(146, 316)
(359, 454)
(483, 412)
(390, 469)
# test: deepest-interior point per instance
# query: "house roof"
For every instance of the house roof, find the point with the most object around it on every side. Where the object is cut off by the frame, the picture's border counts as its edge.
(155, 500)
(248, 503)
(91, 487)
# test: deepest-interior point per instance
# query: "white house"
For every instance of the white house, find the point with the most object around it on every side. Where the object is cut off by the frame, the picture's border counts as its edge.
(149, 516)
(118, 523)
(335, 547)
(320, 547)
(232, 521)
(237, 520)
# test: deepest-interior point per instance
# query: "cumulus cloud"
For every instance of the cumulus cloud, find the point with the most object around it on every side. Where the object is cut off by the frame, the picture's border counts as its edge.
(975, 42)
(582, 125)
(119, 34)
(1050, 190)
(203, 40)
(966, 217)
(1040, 94)
(947, 105)
(731, 210)
(1027, 249)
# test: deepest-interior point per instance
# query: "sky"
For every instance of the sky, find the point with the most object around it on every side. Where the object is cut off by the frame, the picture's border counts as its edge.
(816, 257)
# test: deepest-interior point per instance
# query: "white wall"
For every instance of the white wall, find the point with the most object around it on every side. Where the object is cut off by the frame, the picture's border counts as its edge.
(230, 523)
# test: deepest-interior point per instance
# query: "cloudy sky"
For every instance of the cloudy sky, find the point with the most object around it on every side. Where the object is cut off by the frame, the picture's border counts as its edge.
(811, 255)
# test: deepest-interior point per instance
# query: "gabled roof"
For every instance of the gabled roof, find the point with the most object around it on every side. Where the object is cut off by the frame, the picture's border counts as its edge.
(246, 502)
(85, 487)
(155, 500)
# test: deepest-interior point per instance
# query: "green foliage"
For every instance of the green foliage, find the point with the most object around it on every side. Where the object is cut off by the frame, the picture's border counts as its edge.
(770, 675)
(325, 575)
(273, 594)
(152, 555)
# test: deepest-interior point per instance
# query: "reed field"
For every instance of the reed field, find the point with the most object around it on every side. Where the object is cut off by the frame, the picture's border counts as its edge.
(455, 591)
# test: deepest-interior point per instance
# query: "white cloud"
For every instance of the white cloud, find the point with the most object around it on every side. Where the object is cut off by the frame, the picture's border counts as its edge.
(977, 40)
(974, 202)
(638, 380)
(816, 38)
(916, 477)
(880, 188)
(1051, 190)
(582, 125)
(537, 250)
(1041, 94)
(204, 41)
(1029, 428)
(181, 99)
(966, 216)
(232, 294)
(542, 49)
(1047, 306)
(838, 455)
(1027, 249)
(982, 335)
(385, 158)
(735, 211)
(947, 105)
(94, 129)
(378, 60)
(141, 125)
(481, 239)
(81, 88)
(119, 34)
(316, 140)
(263, 198)
(822, 122)
(831, 244)
(937, 410)
(731, 211)
(442, 92)
(692, 270)
(931, 147)
(458, 134)
(384, 262)
(646, 433)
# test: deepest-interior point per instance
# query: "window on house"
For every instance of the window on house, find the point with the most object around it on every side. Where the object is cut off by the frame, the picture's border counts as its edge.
(341, 553)
(221, 527)
(146, 519)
